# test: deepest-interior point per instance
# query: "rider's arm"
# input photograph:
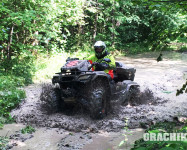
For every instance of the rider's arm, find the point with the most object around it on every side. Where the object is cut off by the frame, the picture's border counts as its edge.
(103, 65)
(91, 58)
(112, 64)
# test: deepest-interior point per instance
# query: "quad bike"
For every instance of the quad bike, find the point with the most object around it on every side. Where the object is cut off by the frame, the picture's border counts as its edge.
(77, 83)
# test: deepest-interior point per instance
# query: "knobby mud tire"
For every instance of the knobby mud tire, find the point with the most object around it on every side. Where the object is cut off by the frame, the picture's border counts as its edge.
(56, 102)
(51, 98)
(99, 100)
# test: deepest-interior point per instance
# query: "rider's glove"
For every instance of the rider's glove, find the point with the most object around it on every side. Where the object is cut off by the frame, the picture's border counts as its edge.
(101, 66)
(94, 63)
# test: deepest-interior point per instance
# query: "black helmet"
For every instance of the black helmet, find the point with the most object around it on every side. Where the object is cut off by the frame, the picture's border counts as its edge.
(99, 48)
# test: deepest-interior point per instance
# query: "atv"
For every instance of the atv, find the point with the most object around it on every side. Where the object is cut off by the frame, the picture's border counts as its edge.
(77, 83)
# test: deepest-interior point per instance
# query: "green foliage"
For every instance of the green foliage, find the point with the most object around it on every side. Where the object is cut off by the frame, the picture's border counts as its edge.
(28, 28)
(164, 5)
(21, 67)
(126, 129)
(121, 23)
(31, 28)
(28, 129)
(168, 127)
(165, 23)
(163, 145)
(3, 142)
(10, 96)
(24, 68)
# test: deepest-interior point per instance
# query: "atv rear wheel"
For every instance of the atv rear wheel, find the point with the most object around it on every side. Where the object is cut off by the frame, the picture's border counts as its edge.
(99, 99)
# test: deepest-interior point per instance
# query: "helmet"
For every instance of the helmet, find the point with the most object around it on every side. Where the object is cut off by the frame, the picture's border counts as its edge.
(100, 48)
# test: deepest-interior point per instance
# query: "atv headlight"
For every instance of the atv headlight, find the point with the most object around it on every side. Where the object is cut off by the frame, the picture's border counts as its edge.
(84, 77)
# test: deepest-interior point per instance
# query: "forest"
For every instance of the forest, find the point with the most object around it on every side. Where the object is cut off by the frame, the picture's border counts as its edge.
(33, 32)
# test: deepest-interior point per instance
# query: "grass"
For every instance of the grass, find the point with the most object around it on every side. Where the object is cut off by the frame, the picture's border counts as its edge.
(3, 142)
(28, 129)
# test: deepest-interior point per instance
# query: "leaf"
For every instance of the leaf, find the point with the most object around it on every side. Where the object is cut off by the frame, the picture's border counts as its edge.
(167, 92)
(167, 148)
(157, 5)
(121, 143)
(154, 131)
(141, 148)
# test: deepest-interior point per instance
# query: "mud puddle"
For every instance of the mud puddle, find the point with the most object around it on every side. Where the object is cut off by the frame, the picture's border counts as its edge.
(41, 139)
(55, 138)
(157, 102)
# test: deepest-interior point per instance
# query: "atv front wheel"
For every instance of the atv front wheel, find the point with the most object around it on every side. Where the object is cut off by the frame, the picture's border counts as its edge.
(56, 99)
(99, 99)
(51, 98)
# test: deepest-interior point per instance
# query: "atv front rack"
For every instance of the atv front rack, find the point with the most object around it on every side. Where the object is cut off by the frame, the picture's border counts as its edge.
(75, 72)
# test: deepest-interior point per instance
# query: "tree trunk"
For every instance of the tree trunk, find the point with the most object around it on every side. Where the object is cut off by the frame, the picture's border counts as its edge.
(113, 24)
(9, 51)
(1, 51)
(1, 54)
(95, 24)
(95, 27)
(79, 34)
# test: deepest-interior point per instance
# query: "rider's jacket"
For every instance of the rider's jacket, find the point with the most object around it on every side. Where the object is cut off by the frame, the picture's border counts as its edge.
(111, 64)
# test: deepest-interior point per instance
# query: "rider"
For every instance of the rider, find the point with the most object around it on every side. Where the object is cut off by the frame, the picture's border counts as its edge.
(98, 59)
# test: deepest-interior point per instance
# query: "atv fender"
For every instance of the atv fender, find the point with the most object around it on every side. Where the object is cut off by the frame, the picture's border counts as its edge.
(56, 79)
(105, 78)
(127, 85)
(100, 75)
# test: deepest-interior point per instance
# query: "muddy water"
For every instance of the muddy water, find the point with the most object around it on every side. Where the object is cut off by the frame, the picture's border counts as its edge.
(55, 138)
(42, 139)
(111, 140)
(157, 102)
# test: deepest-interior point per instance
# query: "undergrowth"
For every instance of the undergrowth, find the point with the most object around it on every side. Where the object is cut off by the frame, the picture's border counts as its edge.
(28, 129)
(3, 143)
(10, 96)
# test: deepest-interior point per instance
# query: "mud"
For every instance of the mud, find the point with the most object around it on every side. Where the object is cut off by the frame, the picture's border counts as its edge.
(41, 139)
(38, 113)
(17, 139)
(55, 138)
(157, 102)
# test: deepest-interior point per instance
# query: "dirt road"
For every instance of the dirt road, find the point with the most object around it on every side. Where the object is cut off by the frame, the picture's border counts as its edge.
(158, 102)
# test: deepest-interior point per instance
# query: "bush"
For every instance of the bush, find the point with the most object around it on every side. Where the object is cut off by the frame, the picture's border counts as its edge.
(28, 129)
(20, 67)
(3, 142)
(10, 96)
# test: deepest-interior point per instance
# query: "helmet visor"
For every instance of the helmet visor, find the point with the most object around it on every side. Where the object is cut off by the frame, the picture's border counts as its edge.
(98, 49)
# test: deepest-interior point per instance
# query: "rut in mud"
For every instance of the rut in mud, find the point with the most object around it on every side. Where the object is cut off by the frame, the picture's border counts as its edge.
(157, 101)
